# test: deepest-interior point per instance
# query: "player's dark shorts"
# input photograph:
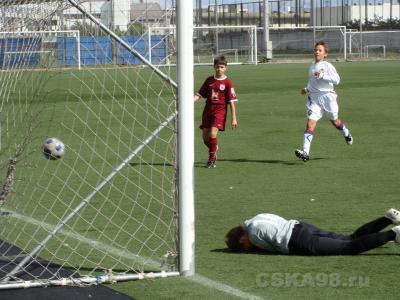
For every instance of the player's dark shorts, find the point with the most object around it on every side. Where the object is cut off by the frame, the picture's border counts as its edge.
(214, 116)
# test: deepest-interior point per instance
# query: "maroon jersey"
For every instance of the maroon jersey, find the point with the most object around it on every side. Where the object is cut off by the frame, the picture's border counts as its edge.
(218, 92)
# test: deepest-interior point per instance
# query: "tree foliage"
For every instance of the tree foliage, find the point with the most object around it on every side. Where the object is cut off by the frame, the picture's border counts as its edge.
(376, 24)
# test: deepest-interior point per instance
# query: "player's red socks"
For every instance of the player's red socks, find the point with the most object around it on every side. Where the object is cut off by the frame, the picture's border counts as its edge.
(212, 146)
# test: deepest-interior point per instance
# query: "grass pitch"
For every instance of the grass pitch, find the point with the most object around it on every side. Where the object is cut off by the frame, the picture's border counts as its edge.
(340, 188)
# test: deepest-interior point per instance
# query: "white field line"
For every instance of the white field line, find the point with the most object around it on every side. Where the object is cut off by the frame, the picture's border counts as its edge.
(118, 252)
(223, 287)
(147, 261)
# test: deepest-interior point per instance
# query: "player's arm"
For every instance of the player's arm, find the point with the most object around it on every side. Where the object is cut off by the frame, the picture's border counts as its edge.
(202, 92)
(233, 114)
(196, 97)
(231, 95)
(304, 91)
(331, 75)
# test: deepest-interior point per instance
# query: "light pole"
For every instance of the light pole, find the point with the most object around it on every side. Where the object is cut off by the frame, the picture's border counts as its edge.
(314, 18)
(361, 41)
(267, 43)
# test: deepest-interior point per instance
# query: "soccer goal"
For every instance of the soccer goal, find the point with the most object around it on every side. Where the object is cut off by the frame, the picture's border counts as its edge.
(375, 51)
(237, 43)
(372, 45)
(296, 43)
(118, 204)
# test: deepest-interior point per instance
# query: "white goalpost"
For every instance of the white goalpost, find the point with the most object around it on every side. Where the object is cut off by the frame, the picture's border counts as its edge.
(375, 51)
(119, 205)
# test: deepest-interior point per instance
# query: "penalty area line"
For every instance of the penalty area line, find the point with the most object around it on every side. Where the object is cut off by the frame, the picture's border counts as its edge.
(197, 278)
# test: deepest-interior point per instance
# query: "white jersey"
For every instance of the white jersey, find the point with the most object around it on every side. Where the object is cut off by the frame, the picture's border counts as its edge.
(270, 232)
(327, 78)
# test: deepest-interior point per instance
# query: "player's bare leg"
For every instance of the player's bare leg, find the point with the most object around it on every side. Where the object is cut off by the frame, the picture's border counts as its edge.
(346, 133)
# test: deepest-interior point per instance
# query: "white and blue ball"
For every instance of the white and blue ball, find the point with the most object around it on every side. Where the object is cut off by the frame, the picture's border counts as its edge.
(53, 148)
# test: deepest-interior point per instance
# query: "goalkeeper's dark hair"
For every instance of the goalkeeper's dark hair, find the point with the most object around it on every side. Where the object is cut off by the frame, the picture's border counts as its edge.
(220, 60)
(232, 238)
(323, 44)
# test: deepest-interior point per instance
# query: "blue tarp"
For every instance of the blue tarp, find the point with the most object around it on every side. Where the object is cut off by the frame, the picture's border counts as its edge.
(102, 50)
(20, 52)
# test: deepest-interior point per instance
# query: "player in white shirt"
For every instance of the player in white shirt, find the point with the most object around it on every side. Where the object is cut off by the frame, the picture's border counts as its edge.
(273, 234)
(321, 99)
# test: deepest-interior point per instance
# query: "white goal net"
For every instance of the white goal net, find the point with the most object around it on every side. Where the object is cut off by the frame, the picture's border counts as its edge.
(237, 43)
(107, 210)
(371, 45)
(296, 43)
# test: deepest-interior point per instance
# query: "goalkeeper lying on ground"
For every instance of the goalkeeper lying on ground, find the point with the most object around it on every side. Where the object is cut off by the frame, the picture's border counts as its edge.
(274, 234)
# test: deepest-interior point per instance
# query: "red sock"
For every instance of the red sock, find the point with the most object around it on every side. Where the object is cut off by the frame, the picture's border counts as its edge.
(212, 146)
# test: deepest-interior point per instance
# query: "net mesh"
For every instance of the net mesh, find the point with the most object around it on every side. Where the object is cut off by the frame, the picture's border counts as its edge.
(237, 43)
(295, 43)
(374, 44)
(115, 186)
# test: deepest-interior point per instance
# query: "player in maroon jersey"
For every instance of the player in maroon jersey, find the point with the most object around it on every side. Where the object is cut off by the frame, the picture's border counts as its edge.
(219, 92)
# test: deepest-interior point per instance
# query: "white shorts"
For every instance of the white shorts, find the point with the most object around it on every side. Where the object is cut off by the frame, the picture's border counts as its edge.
(318, 105)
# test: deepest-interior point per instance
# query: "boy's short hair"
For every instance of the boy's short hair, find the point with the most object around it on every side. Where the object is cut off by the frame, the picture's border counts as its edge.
(232, 238)
(323, 44)
(220, 60)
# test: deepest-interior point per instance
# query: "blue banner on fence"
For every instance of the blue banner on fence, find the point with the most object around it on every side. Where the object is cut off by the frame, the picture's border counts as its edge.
(67, 51)
(20, 52)
(103, 51)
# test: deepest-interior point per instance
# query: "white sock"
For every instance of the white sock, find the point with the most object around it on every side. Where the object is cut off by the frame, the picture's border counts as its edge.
(308, 137)
(345, 131)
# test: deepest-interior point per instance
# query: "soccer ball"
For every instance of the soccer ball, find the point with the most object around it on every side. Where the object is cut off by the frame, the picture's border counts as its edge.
(53, 148)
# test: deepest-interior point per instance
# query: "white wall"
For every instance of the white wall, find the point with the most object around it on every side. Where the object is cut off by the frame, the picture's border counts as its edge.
(116, 14)
(379, 11)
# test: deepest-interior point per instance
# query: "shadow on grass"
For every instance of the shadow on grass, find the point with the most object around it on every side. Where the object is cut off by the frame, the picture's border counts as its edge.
(144, 164)
(255, 251)
(202, 164)
(261, 252)
(293, 162)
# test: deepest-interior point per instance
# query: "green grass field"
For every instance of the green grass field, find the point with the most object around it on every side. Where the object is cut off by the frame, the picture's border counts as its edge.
(340, 188)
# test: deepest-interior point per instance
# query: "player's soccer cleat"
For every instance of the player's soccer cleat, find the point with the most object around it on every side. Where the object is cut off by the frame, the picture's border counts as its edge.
(396, 230)
(211, 164)
(393, 215)
(302, 155)
(212, 159)
(349, 139)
